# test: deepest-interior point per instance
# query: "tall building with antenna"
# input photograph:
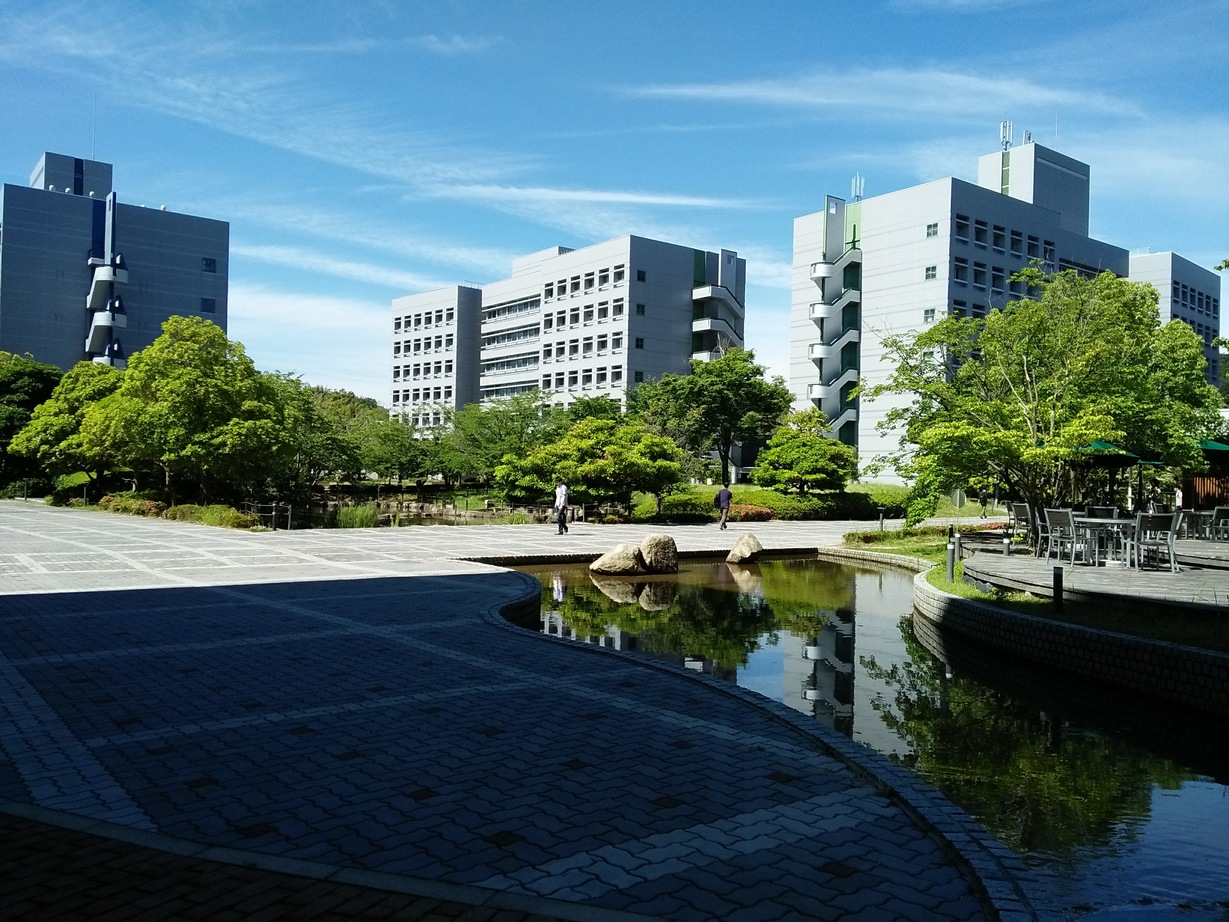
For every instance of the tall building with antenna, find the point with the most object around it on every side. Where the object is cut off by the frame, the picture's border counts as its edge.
(899, 262)
(85, 277)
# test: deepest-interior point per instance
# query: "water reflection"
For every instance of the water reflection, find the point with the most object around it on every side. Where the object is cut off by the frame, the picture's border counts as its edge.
(1096, 791)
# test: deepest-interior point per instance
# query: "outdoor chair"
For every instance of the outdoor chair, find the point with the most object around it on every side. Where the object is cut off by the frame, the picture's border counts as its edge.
(1020, 522)
(1154, 532)
(1218, 528)
(1103, 512)
(1061, 536)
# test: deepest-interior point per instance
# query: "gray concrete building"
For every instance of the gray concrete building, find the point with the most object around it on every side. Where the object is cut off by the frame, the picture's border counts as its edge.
(899, 262)
(84, 276)
(570, 322)
(1188, 292)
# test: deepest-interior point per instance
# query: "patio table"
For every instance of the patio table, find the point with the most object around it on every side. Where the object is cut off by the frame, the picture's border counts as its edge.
(1112, 531)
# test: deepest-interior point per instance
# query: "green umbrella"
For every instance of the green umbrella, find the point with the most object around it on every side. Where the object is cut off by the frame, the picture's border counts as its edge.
(1209, 445)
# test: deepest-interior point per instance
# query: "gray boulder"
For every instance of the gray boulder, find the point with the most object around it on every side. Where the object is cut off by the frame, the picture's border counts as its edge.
(747, 547)
(621, 560)
(660, 554)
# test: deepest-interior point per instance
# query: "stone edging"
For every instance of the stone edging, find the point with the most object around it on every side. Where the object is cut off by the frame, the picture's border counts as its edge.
(988, 864)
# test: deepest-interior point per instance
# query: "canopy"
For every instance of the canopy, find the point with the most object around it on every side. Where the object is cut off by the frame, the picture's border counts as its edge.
(1103, 454)
(1209, 445)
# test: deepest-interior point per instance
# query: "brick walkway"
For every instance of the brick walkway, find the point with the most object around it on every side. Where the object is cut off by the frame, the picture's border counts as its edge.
(347, 710)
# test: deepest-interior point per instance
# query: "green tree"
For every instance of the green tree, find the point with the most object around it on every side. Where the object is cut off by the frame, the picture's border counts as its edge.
(478, 436)
(52, 437)
(1019, 394)
(192, 406)
(24, 384)
(602, 407)
(600, 460)
(720, 404)
(391, 450)
(802, 456)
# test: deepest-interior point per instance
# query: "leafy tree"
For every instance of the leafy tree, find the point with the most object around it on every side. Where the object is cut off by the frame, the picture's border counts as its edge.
(1019, 394)
(192, 406)
(391, 450)
(478, 436)
(594, 407)
(720, 404)
(52, 437)
(802, 456)
(24, 384)
(599, 459)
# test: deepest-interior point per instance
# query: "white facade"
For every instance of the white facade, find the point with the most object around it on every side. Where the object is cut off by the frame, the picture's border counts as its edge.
(898, 262)
(1189, 293)
(572, 323)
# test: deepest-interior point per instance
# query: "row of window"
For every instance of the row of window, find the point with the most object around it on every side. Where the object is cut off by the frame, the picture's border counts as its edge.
(588, 313)
(589, 281)
(1196, 300)
(578, 348)
(511, 309)
(511, 337)
(418, 346)
(422, 319)
(994, 278)
(998, 238)
(510, 365)
(417, 395)
(587, 377)
(422, 370)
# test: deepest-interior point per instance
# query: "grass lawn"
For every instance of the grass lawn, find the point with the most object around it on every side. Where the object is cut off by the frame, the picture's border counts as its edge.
(1209, 630)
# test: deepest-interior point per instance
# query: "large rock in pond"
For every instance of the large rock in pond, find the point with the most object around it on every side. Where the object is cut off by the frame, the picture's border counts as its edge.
(617, 590)
(660, 554)
(746, 548)
(621, 560)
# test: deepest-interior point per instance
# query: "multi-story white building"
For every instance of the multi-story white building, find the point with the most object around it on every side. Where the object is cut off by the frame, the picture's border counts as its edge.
(1189, 293)
(572, 323)
(899, 262)
(85, 277)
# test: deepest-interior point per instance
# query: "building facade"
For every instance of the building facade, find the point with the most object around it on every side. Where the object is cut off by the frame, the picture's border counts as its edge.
(1188, 292)
(571, 323)
(899, 262)
(84, 277)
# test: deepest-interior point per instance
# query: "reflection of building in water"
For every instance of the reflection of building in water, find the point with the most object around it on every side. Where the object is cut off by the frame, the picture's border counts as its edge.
(618, 639)
(819, 671)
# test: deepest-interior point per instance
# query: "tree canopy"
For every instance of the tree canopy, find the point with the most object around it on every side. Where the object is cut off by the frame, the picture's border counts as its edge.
(802, 456)
(24, 384)
(721, 403)
(1019, 394)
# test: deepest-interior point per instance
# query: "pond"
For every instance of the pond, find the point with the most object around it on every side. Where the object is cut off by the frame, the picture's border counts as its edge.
(1118, 806)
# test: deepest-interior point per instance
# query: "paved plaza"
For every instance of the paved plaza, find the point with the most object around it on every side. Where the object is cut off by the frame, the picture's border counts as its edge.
(348, 710)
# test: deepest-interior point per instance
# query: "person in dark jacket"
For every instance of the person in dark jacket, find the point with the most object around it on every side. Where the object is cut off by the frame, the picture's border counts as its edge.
(722, 502)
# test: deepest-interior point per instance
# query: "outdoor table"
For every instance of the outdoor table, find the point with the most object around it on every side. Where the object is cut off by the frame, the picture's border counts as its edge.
(1112, 530)
(1198, 522)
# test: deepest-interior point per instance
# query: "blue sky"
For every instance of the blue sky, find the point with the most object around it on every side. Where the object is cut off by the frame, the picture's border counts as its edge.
(366, 150)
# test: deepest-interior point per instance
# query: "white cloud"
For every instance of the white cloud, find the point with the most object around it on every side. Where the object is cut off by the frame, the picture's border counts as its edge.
(454, 44)
(315, 262)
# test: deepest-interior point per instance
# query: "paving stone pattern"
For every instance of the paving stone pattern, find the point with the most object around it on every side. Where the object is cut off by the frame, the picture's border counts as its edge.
(350, 703)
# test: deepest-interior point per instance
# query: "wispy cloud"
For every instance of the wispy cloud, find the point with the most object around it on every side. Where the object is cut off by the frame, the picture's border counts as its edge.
(504, 194)
(913, 94)
(452, 45)
(329, 264)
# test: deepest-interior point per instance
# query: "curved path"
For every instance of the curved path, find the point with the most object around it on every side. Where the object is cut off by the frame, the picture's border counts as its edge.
(347, 710)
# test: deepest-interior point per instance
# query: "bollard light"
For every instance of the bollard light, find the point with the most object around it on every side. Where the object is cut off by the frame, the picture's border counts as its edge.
(1006, 547)
(1058, 587)
(951, 563)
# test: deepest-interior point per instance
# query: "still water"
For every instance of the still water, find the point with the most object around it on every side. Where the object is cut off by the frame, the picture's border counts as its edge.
(1119, 807)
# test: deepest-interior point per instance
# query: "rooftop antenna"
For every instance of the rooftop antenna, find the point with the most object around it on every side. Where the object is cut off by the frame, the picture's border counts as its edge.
(94, 130)
(1005, 134)
(857, 187)
(1028, 136)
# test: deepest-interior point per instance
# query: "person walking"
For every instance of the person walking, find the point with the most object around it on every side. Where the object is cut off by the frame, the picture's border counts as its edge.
(561, 505)
(722, 502)
(983, 497)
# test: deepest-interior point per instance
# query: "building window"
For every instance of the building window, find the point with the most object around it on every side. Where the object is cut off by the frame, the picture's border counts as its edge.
(932, 230)
(638, 376)
(641, 276)
(208, 305)
(616, 376)
(928, 315)
(932, 273)
(588, 315)
(618, 274)
(981, 233)
(961, 270)
(639, 342)
(588, 281)
(603, 278)
(616, 341)
(209, 264)
(962, 228)
(618, 308)
(639, 310)
(603, 311)
(549, 290)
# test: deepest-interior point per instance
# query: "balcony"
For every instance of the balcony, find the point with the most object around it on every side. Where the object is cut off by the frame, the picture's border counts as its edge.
(718, 293)
(822, 270)
(716, 325)
(820, 351)
(102, 323)
(102, 285)
(709, 355)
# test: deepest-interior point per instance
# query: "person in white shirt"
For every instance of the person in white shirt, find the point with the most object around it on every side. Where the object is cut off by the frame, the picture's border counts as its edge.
(561, 505)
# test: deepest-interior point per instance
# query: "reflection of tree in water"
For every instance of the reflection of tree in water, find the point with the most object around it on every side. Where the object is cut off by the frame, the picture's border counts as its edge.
(719, 612)
(1034, 782)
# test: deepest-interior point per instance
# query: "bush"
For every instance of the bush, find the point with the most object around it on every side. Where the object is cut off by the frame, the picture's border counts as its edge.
(131, 504)
(696, 505)
(218, 516)
(742, 512)
(357, 516)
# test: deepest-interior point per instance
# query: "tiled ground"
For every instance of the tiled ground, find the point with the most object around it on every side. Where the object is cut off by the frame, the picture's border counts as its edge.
(348, 703)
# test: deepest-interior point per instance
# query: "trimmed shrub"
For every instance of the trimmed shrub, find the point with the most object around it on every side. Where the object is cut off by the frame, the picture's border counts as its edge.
(742, 512)
(218, 516)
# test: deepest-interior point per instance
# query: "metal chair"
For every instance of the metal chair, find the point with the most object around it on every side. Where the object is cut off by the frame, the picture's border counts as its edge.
(1020, 522)
(1061, 533)
(1156, 532)
(1218, 528)
(1103, 512)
